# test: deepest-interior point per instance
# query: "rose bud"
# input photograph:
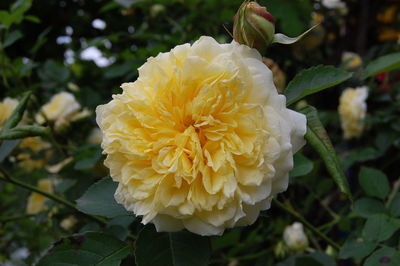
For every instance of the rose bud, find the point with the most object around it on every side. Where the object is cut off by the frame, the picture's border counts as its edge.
(254, 26)
(295, 238)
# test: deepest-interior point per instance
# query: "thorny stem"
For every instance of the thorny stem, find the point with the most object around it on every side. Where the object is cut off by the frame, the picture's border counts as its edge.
(7, 178)
(298, 216)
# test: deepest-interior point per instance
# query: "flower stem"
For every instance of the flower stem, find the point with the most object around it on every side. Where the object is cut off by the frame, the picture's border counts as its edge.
(298, 216)
(396, 188)
(7, 178)
(14, 218)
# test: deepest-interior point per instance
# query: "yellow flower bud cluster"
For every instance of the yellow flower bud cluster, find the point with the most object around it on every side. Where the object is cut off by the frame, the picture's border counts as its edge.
(352, 110)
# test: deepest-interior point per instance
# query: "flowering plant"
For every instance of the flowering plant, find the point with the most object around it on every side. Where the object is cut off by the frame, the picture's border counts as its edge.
(221, 146)
(202, 140)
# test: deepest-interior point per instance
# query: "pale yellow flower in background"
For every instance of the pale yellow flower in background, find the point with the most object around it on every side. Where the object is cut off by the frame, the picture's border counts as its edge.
(295, 238)
(7, 106)
(68, 223)
(156, 9)
(351, 60)
(202, 140)
(352, 110)
(29, 158)
(36, 201)
(59, 109)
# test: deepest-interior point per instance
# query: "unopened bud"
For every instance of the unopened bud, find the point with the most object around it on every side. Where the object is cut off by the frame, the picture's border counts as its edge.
(295, 238)
(254, 26)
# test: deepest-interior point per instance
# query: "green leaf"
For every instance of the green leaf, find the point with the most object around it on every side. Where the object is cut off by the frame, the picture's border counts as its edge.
(313, 80)
(11, 38)
(119, 70)
(18, 112)
(230, 238)
(7, 147)
(87, 156)
(23, 132)
(380, 227)
(299, 13)
(16, 14)
(119, 226)
(385, 256)
(41, 40)
(316, 135)
(33, 19)
(374, 182)
(356, 249)
(5, 18)
(171, 249)
(99, 200)
(382, 64)
(395, 206)
(92, 248)
(53, 74)
(385, 139)
(360, 155)
(302, 166)
(366, 207)
(313, 259)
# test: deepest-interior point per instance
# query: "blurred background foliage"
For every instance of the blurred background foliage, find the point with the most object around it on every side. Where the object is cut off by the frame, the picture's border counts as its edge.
(91, 47)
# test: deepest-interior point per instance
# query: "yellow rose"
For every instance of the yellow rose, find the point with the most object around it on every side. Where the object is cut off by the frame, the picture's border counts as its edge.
(36, 201)
(201, 140)
(7, 106)
(352, 111)
(60, 109)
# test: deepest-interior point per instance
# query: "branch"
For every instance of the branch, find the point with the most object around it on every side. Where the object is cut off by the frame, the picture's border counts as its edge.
(7, 178)
(312, 228)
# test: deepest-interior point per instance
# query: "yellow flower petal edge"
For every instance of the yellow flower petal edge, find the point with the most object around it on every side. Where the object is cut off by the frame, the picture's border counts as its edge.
(352, 110)
(7, 106)
(37, 202)
(201, 140)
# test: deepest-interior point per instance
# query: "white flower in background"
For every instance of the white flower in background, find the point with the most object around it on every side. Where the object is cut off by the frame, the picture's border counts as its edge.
(64, 39)
(92, 53)
(7, 106)
(333, 4)
(352, 111)
(20, 254)
(295, 238)
(99, 24)
(17, 257)
(201, 140)
(69, 56)
(59, 109)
